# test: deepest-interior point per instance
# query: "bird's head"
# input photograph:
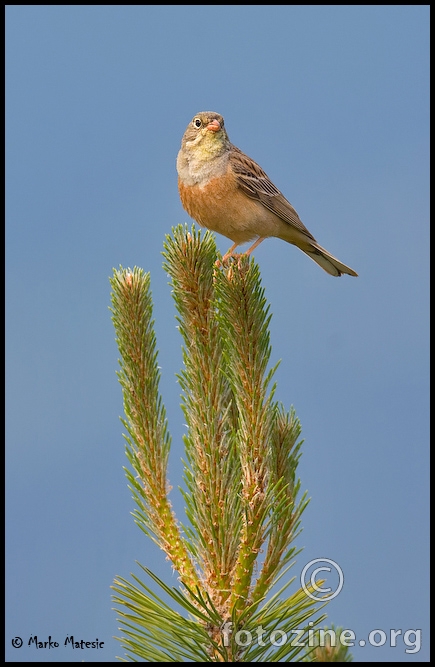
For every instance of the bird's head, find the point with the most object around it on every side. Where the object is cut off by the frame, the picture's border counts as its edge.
(206, 135)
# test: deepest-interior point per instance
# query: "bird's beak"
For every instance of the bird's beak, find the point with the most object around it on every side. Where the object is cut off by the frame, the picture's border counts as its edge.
(214, 126)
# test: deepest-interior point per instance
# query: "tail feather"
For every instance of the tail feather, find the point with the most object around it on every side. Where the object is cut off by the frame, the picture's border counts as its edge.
(329, 263)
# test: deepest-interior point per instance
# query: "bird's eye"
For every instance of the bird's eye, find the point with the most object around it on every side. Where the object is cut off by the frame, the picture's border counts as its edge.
(197, 123)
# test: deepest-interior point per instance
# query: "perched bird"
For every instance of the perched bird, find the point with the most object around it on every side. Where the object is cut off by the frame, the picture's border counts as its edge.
(226, 191)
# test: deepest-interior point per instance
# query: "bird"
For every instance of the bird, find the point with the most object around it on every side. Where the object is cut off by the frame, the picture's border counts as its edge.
(225, 191)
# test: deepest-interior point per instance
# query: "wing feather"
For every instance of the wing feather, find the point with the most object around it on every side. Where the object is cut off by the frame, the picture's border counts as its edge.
(257, 185)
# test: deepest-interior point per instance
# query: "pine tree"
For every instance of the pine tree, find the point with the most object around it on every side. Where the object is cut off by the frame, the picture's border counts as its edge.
(242, 495)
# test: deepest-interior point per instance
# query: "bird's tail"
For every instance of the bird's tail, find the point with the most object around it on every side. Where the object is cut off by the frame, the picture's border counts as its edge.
(329, 263)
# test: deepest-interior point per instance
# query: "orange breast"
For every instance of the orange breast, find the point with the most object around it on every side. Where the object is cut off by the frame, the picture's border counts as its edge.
(221, 206)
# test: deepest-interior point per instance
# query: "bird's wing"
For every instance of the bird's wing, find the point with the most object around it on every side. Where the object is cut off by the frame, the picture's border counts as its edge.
(257, 185)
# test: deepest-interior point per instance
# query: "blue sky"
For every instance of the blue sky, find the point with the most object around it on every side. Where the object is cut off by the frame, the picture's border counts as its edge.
(333, 103)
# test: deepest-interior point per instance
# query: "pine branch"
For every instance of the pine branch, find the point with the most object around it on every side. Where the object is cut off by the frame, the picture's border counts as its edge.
(148, 440)
(213, 476)
(244, 320)
(285, 520)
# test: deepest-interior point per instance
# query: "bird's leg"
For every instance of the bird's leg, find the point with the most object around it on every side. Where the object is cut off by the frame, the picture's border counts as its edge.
(227, 254)
(230, 252)
(255, 245)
